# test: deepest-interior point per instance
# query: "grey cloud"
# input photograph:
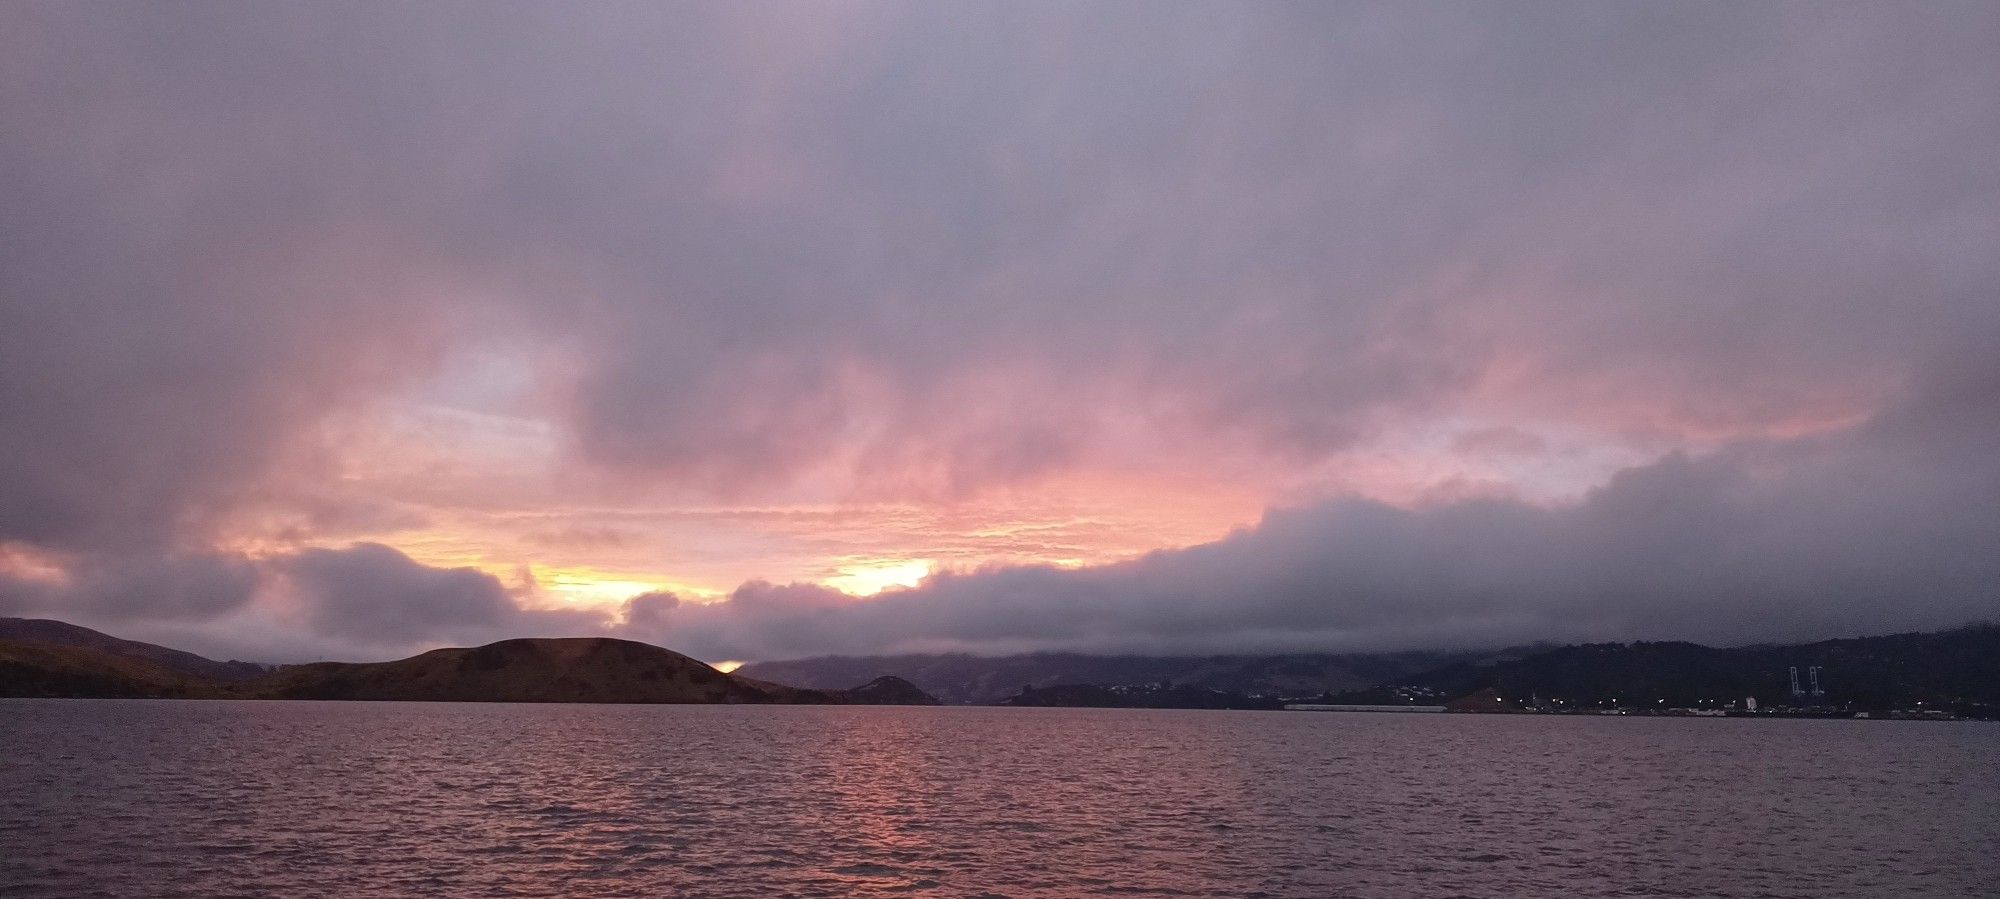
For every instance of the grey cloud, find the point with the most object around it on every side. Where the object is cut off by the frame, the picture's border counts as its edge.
(131, 588)
(1499, 441)
(925, 244)
(364, 601)
(935, 248)
(1873, 531)
(372, 595)
(648, 612)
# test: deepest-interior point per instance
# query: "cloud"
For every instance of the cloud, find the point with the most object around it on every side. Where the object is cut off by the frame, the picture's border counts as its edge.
(1876, 530)
(649, 612)
(371, 594)
(920, 255)
(588, 537)
(919, 251)
(1881, 527)
(127, 588)
(363, 601)
(1499, 441)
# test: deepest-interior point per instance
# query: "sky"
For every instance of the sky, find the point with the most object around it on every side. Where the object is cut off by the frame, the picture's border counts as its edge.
(763, 331)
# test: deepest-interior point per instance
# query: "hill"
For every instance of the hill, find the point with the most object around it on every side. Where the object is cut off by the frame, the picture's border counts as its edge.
(61, 633)
(1948, 669)
(29, 669)
(959, 678)
(887, 690)
(1150, 696)
(586, 669)
(58, 660)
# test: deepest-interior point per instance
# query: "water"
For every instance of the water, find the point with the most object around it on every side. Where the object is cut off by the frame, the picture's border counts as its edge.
(136, 798)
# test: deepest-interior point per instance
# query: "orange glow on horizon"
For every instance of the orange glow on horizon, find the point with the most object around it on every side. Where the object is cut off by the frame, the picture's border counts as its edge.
(595, 544)
(868, 579)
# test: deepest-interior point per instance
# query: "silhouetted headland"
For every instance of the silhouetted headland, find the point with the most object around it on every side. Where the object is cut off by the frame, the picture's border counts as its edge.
(81, 663)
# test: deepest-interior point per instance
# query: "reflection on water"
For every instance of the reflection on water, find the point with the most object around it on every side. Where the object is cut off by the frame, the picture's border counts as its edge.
(197, 799)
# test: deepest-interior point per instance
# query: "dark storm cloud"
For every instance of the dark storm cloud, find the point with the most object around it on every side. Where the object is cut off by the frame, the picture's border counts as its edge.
(925, 250)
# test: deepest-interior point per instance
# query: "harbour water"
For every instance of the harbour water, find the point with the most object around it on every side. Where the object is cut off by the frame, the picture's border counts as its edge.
(164, 798)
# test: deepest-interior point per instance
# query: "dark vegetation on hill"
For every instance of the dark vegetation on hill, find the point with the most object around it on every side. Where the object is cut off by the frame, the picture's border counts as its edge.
(62, 633)
(571, 670)
(57, 670)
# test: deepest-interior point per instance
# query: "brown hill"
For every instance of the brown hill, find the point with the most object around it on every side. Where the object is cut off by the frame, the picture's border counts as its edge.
(59, 660)
(1486, 701)
(585, 669)
(56, 670)
(884, 690)
(887, 690)
(62, 633)
(786, 693)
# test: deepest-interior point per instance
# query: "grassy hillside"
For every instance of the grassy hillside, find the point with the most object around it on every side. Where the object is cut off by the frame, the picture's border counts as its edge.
(76, 662)
(61, 633)
(55, 670)
(590, 669)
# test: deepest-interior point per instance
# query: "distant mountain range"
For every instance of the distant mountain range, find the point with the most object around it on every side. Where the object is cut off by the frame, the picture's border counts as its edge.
(982, 680)
(52, 659)
(1146, 696)
(1956, 669)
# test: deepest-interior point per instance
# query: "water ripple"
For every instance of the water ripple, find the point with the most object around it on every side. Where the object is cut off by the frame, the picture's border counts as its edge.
(280, 799)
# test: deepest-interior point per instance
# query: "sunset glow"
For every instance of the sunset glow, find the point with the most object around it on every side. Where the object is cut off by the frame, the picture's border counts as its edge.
(587, 588)
(899, 447)
(870, 578)
(761, 333)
